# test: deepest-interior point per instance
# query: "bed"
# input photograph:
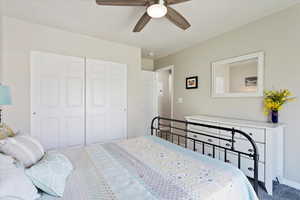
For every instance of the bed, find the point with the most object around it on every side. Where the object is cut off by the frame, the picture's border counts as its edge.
(152, 168)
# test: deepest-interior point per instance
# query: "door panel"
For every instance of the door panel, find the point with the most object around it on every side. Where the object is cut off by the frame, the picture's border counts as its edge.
(49, 92)
(96, 129)
(57, 99)
(49, 132)
(98, 92)
(74, 92)
(106, 101)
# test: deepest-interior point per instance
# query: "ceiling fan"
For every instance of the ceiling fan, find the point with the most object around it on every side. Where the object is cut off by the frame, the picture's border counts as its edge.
(155, 9)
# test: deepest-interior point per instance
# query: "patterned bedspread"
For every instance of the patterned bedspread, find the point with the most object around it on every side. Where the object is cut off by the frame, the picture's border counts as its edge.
(148, 168)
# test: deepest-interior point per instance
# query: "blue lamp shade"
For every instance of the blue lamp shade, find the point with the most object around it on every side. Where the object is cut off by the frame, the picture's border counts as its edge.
(5, 97)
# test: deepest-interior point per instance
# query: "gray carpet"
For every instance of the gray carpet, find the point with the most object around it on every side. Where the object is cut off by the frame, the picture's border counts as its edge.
(280, 192)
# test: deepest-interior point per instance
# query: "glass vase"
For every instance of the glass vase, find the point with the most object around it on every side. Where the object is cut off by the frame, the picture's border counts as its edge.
(274, 114)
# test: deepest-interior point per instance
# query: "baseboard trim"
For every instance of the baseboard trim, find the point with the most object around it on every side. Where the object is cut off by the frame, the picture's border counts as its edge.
(290, 183)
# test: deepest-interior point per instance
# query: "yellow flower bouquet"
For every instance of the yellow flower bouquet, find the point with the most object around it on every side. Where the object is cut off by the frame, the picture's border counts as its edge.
(274, 100)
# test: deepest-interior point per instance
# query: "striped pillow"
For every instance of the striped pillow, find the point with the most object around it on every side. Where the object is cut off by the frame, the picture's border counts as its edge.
(23, 148)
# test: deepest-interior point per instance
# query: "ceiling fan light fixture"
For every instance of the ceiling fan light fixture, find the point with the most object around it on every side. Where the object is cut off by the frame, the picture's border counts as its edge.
(157, 10)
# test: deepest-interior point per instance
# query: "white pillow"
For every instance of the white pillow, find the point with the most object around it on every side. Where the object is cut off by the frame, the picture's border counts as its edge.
(51, 173)
(15, 184)
(24, 148)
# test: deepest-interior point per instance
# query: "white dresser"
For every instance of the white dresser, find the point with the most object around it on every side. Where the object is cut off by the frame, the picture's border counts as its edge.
(268, 137)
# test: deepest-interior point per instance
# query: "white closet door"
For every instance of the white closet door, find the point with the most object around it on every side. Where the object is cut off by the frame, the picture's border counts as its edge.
(57, 99)
(106, 101)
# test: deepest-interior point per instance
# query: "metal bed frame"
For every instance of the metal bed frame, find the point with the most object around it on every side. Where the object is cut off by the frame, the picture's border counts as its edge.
(158, 123)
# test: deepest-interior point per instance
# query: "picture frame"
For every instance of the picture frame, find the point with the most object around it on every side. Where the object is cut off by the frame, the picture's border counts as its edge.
(251, 81)
(191, 82)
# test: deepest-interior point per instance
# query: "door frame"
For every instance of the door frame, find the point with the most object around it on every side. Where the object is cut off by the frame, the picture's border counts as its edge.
(172, 68)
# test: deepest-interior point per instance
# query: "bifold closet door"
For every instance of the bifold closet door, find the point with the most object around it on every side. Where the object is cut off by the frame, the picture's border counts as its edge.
(106, 101)
(57, 99)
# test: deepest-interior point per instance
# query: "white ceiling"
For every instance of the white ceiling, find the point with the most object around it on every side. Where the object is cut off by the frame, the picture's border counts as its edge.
(208, 18)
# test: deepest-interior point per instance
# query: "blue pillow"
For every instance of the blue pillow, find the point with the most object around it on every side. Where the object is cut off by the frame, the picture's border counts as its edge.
(51, 173)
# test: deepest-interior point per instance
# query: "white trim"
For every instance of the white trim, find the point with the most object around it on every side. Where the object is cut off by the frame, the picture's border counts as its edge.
(290, 183)
(260, 75)
(84, 101)
(126, 101)
(171, 67)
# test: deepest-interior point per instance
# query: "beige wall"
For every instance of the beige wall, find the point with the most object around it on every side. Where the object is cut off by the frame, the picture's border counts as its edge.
(279, 37)
(147, 64)
(21, 37)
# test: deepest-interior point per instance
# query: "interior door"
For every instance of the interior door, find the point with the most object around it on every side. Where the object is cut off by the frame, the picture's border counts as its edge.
(106, 101)
(57, 99)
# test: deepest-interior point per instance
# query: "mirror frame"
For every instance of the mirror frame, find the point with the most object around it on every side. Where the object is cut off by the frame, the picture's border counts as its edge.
(260, 75)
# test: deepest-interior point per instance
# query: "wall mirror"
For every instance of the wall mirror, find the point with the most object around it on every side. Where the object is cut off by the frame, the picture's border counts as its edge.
(238, 77)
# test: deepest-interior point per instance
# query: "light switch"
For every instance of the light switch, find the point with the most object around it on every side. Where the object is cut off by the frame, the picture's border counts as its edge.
(180, 100)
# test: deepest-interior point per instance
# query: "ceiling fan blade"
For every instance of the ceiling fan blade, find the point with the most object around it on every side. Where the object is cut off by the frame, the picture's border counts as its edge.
(176, 18)
(142, 23)
(122, 2)
(170, 2)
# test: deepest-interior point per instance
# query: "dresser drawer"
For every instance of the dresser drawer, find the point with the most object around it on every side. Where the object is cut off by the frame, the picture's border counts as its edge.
(190, 142)
(247, 165)
(209, 140)
(231, 158)
(243, 145)
(208, 151)
(201, 138)
(194, 136)
(204, 129)
(257, 134)
(228, 133)
(246, 147)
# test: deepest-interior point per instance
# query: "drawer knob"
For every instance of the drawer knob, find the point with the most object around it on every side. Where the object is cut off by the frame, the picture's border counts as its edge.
(251, 134)
(209, 154)
(210, 140)
(228, 145)
(195, 136)
(250, 150)
(250, 169)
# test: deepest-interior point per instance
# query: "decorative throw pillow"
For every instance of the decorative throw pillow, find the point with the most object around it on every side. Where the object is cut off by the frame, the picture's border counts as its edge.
(23, 148)
(14, 183)
(6, 131)
(51, 173)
